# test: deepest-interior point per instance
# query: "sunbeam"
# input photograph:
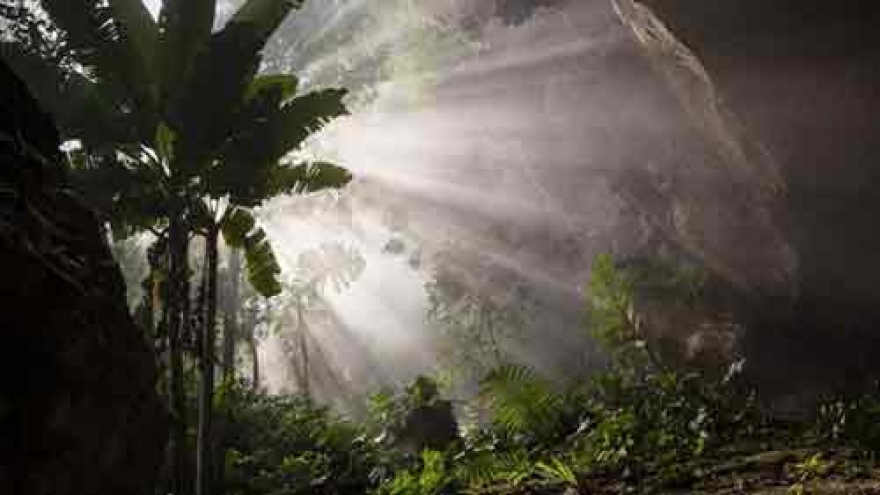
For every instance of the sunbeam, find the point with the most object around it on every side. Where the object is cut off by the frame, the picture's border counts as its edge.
(507, 140)
(531, 138)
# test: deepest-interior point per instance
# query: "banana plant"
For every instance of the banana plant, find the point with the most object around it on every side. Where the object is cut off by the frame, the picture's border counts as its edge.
(175, 119)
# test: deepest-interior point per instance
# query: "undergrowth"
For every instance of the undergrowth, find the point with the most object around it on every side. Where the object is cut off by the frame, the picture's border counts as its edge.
(634, 428)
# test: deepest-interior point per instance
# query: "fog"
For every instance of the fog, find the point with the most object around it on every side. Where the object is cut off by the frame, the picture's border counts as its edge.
(519, 142)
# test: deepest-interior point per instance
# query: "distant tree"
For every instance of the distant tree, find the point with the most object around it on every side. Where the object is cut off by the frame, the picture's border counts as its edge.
(332, 266)
(479, 310)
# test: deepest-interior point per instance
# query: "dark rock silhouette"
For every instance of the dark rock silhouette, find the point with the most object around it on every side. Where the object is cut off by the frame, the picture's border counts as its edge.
(429, 424)
(79, 413)
(802, 76)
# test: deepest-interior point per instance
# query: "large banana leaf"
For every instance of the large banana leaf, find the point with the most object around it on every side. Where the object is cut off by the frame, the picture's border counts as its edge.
(288, 128)
(205, 110)
(185, 28)
(249, 166)
(240, 232)
(80, 107)
(308, 178)
(111, 40)
(249, 185)
(139, 30)
(126, 194)
(202, 113)
(265, 15)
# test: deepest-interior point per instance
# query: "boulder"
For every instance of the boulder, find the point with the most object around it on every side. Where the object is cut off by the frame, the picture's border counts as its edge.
(428, 422)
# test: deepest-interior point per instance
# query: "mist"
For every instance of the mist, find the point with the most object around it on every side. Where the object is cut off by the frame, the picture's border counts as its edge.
(527, 141)
(412, 247)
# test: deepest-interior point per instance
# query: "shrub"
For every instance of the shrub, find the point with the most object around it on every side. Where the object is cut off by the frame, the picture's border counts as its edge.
(284, 445)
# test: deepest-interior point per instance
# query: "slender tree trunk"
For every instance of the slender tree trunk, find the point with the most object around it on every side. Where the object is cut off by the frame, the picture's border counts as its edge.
(177, 250)
(230, 330)
(305, 386)
(206, 385)
(249, 324)
(230, 336)
(255, 360)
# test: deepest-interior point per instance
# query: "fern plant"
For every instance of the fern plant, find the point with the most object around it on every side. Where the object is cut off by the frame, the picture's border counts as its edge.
(522, 405)
(559, 471)
(479, 471)
(430, 479)
(612, 318)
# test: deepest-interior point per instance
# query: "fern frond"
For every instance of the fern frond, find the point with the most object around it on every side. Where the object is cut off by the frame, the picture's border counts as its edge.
(557, 470)
(495, 468)
(521, 402)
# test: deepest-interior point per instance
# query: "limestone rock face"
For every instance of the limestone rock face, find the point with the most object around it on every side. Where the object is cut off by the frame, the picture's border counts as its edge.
(800, 77)
(79, 412)
(691, 321)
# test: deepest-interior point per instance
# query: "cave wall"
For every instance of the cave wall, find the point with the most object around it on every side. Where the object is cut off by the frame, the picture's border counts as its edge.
(803, 76)
(79, 412)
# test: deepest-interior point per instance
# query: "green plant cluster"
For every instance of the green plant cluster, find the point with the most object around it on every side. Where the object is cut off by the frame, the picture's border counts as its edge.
(851, 421)
(634, 428)
(285, 445)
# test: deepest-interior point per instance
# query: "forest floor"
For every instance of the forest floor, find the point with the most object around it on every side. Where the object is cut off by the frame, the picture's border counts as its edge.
(739, 470)
(772, 472)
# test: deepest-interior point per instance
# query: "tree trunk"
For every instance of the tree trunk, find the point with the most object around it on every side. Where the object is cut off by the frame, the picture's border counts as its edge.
(230, 336)
(206, 364)
(177, 250)
(255, 360)
(305, 385)
(230, 329)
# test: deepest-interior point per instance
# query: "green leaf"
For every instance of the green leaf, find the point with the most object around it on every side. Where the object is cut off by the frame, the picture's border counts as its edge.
(262, 266)
(99, 38)
(185, 28)
(521, 401)
(165, 138)
(140, 30)
(302, 117)
(265, 15)
(249, 167)
(204, 111)
(81, 108)
(284, 85)
(266, 134)
(240, 231)
(236, 227)
(122, 191)
(309, 177)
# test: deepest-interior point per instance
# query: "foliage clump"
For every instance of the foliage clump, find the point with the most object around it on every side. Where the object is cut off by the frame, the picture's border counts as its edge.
(287, 445)
(637, 427)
